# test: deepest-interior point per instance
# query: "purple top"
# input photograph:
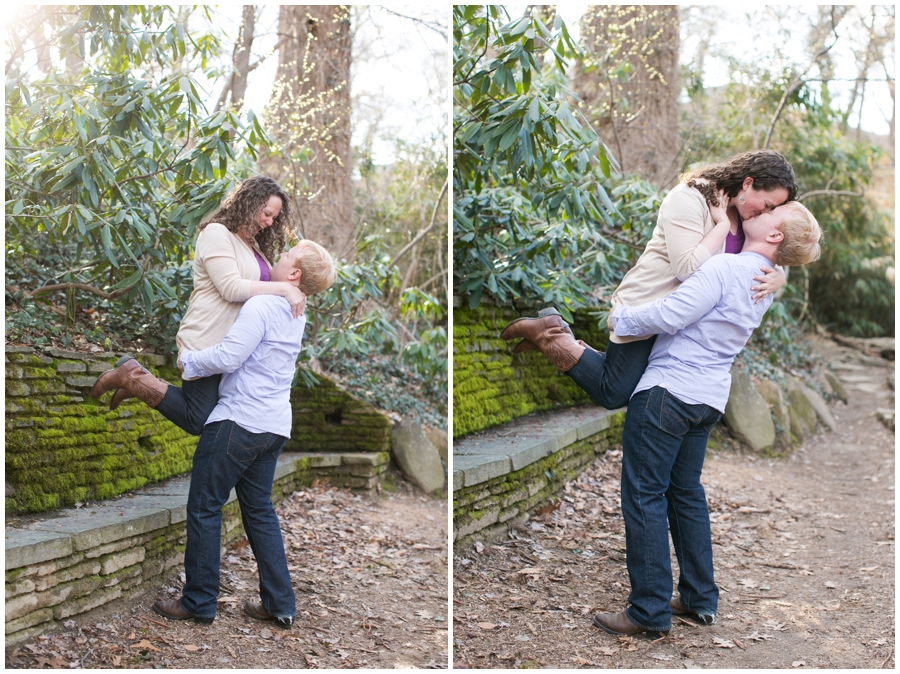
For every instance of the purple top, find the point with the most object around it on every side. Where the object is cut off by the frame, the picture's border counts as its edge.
(264, 268)
(734, 243)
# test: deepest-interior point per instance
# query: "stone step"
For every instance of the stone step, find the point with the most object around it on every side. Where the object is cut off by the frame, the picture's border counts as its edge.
(503, 449)
(72, 560)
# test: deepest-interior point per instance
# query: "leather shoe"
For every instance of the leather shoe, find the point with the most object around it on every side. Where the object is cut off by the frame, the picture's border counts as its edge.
(132, 381)
(256, 611)
(620, 624)
(549, 334)
(172, 609)
(678, 608)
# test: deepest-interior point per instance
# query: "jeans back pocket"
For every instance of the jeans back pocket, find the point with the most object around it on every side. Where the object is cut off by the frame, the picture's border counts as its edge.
(244, 446)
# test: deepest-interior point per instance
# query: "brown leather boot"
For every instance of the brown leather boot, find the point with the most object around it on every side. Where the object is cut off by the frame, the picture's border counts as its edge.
(255, 610)
(134, 380)
(550, 335)
(620, 624)
(171, 608)
(678, 608)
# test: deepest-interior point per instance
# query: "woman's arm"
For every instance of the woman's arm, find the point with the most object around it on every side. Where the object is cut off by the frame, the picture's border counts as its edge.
(769, 281)
(714, 240)
(216, 249)
(683, 216)
(291, 293)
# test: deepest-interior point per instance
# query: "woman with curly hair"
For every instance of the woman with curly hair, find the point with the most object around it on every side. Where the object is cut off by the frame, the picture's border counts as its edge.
(235, 250)
(699, 218)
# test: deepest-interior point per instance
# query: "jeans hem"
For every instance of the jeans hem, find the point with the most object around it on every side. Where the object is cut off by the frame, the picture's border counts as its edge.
(647, 627)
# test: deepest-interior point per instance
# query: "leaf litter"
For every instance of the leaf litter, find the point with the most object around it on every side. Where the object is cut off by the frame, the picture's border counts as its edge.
(775, 551)
(369, 571)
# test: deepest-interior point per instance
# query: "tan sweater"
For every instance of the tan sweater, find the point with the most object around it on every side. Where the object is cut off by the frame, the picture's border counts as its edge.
(224, 266)
(672, 254)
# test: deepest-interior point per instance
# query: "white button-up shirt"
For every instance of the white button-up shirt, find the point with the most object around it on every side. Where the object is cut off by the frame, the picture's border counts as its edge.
(704, 324)
(257, 360)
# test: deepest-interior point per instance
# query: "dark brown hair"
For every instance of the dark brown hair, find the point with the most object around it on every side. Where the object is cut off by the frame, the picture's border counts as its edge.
(769, 170)
(243, 205)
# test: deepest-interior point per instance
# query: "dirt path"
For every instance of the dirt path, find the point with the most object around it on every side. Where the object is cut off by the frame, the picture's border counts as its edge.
(804, 556)
(370, 573)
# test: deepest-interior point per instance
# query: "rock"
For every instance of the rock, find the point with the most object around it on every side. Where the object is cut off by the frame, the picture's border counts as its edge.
(438, 438)
(836, 385)
(747, 414)
(772, 394)
(803, 414)
(821, 407)
(10, 490)
(416, 456)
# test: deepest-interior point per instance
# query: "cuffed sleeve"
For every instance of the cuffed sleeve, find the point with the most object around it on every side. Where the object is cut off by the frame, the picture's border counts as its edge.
(691, 301)
(243, 337)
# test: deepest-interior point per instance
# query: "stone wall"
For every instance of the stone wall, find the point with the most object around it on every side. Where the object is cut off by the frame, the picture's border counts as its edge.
(491, 385)
(486, 509)
(328, 419)
(63, 447)
(81, 559)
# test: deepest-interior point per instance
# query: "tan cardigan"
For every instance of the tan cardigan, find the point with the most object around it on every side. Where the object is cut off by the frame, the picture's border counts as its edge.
(224, 266)
(672, 254)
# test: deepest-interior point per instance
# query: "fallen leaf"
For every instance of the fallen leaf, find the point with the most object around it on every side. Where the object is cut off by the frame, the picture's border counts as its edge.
(660, 656)
(608, 650)
(191, 649)
(144, 644)
(798, 663)
(531, 570)
(487, 627)
(522, 637)
(722, 643)
(578, 660)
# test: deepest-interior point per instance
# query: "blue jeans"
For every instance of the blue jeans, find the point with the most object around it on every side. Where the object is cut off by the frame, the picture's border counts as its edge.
(664, 444)
(227, 457)
(189, 407)
(610, 378)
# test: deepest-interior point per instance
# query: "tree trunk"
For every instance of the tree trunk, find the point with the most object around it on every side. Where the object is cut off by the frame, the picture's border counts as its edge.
(309, 117)
(629, 85)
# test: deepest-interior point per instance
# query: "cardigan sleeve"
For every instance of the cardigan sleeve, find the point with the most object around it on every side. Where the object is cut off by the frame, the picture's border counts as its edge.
(215, 250)
(683, 217)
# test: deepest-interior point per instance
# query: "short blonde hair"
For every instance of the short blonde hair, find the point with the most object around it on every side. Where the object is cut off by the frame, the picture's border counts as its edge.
(802, 237)
(317, 266)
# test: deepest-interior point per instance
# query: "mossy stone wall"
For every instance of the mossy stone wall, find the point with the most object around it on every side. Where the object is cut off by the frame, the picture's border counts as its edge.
(491, 385)
(487, 510)
(328, 419)
(62, 446)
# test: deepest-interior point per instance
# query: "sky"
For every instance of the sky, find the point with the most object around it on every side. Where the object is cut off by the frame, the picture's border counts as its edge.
(399, 66)
(755, 34)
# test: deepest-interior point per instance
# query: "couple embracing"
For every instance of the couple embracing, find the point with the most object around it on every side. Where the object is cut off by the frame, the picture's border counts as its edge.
(237, 348)
(678, 320)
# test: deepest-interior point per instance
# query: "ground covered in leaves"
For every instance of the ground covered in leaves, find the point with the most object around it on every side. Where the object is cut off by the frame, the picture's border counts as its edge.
(369, 571)
(803, 550)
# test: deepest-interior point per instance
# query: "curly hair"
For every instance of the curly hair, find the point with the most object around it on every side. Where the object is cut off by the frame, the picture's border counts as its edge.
(769, 170)
(241, 208)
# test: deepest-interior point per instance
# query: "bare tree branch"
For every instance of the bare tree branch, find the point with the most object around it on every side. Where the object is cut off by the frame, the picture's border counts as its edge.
(816, 193)
(798, 81)
(425, 231)
(65, 286)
